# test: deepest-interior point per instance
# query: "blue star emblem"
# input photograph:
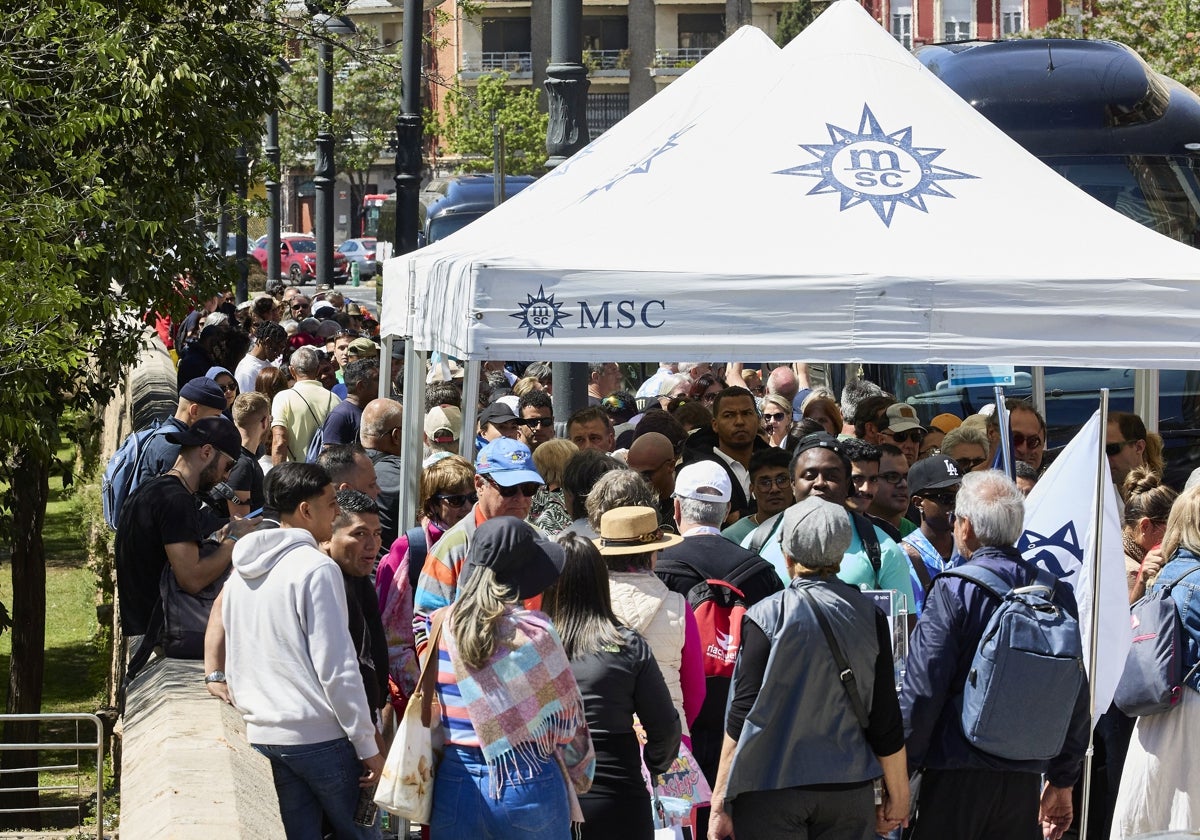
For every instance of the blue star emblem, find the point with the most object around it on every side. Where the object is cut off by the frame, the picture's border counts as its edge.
(540, 315)
(871, 166)
(642, 166)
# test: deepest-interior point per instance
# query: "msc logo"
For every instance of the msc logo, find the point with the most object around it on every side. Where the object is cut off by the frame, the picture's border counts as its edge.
(541, 314)
(875, 167)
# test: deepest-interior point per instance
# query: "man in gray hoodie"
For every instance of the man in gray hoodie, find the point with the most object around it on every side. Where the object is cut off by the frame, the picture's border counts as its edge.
(291, 665)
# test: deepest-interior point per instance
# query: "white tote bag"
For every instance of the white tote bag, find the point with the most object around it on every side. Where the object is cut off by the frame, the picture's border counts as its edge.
(406, 784)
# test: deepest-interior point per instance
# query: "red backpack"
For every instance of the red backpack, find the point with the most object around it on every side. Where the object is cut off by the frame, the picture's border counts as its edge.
(719, 606)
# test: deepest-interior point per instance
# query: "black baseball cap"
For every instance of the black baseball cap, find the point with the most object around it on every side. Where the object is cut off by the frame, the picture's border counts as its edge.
(519, 556)
(216, 431)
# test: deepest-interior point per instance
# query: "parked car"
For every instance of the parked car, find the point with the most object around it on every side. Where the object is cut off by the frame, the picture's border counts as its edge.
(298, 257)
(361, 251)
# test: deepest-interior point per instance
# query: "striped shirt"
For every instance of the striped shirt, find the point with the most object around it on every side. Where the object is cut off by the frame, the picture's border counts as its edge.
(455, 719)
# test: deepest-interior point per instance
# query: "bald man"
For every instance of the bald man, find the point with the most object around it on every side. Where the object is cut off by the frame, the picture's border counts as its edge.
(379, 434)
(653, 456)
(785, 382)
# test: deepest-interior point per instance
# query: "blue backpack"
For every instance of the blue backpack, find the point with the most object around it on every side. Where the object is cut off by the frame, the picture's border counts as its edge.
(121, 473)
(1020, 693)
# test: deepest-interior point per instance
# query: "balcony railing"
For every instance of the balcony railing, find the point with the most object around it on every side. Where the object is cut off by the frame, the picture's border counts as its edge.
(680, 59)
(489, 62)
(598, 60)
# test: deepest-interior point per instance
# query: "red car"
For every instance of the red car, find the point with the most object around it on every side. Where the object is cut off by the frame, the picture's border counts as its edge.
(298, 258)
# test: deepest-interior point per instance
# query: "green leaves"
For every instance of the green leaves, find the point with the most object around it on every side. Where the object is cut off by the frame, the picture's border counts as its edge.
(465, 126)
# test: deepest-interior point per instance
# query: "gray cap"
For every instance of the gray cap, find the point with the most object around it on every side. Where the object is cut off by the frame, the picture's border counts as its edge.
(815, 533)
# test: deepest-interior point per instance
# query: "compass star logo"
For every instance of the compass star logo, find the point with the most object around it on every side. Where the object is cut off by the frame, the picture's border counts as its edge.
(875, 167)
(540, 315)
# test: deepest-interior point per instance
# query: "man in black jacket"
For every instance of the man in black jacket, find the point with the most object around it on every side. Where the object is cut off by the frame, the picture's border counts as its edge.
(730, 443)
(702, 492)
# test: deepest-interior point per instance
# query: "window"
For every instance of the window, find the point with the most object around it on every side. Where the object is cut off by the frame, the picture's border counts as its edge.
(1012, 17)
(957, 19)
(703, 32)
(901, 27)
(506, 35)
(604, 110)
(605, 33)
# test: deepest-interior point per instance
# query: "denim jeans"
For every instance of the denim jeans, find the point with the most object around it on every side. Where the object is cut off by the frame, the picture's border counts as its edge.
(316, 779)
(532, 805)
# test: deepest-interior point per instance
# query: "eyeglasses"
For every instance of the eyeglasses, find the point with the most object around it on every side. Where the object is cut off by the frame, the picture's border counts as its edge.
(1033, 441)
(528, 489)
(765, 482)
(538, 422)
(456, 499)
(914, 435)
(940, 499)
(968, 464)
(1114, 449)
(893, 478)
(774, 418)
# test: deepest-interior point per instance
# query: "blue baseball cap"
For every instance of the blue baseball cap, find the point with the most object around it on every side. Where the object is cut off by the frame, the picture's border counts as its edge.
(509, 462)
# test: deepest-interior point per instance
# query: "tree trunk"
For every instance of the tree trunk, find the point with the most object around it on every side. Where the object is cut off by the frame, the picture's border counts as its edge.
(29, 491)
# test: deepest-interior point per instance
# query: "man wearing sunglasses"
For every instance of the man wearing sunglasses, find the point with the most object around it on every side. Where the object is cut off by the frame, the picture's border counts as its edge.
(652, 456)
(933, 483)
(902, 430)
(505, 481)
(535, 410)
(1027, 430)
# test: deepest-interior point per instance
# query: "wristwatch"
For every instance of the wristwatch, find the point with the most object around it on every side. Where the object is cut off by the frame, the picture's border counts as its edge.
(215, 676)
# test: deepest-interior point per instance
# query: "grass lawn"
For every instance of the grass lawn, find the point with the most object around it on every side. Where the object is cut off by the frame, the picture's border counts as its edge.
(76, 662)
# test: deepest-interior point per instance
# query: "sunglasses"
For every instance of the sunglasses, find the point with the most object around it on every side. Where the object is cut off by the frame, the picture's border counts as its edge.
(893, 478)
(914, 435)
(774, 418)
(1033, 441)
(528, 490)
(1114, 449)
(456, 499)
(299, 306)
(649, 474)
(230, 388)
(968, 464)
(538, 422)
(941, 499)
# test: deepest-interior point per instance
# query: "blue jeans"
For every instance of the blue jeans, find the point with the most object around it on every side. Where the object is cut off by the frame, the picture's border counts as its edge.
(316, 779)
(532, 806)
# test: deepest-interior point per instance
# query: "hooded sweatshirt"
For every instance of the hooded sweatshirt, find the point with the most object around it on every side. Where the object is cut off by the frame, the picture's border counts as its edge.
(291, 665)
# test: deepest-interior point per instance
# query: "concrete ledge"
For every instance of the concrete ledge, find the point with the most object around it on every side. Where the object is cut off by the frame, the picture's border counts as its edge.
(186, 768)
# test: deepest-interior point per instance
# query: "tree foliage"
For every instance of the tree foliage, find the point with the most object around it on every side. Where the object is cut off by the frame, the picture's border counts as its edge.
(366, 101)
(1163, 32)
(795, 18)
(117, 131)
(465, 125)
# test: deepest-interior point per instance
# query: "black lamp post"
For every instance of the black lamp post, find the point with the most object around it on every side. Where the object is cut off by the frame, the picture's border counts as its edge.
(409, 128)
(274, 208)
(566, 89)
(325, 172)
(243, 289)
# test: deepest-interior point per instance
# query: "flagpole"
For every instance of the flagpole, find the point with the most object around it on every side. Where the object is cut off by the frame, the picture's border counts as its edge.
(1097, 543)
(1005, 433)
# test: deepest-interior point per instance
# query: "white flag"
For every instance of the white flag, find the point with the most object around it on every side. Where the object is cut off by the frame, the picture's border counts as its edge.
(1060, 515)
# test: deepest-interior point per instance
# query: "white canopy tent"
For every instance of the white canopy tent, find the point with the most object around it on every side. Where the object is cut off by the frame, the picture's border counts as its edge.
(843, 204)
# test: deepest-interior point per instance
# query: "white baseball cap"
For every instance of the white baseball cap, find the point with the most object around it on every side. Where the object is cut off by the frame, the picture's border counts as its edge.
(704, 481)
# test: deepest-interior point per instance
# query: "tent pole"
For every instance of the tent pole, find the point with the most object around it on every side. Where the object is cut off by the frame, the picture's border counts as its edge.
(1145, 397)
(470, 409)
(1006, 454)
(1038, 387)
(411, 449)
(1097, 544)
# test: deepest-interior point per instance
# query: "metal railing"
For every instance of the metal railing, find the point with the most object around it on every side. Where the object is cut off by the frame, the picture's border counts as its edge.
(509, 62)
(681, 58)
(606, 59)
(77, 746)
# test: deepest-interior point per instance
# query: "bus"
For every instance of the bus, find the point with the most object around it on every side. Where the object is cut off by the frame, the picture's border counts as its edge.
(1097, 114)
(372, 203)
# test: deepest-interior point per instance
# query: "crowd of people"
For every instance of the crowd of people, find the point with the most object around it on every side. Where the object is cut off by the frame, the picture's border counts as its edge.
(565, 578)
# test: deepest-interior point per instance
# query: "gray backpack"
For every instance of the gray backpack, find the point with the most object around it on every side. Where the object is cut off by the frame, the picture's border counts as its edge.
(1028, 667)
(1153, 679)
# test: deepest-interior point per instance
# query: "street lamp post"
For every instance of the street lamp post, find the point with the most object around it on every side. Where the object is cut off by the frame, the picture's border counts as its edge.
(408, 133)
(325, 172)
(274, 207)
(243, 289)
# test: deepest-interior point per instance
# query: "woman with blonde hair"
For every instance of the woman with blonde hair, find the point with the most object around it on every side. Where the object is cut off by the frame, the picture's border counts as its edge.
(1147, 505)
(447, 495)
(548, 510)
(526, 384)
(1160, 783)
(517, 749)
(776, 419)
